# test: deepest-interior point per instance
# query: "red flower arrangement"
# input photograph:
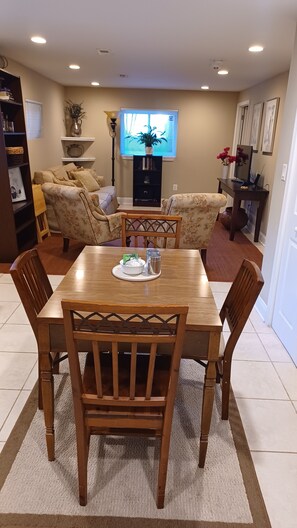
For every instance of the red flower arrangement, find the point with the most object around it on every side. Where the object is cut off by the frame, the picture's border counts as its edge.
(225, 157)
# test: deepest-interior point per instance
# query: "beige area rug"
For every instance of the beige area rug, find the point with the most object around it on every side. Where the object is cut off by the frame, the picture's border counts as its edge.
(123, 472)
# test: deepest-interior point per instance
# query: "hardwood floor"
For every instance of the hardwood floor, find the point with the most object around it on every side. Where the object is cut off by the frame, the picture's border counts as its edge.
(224, 257)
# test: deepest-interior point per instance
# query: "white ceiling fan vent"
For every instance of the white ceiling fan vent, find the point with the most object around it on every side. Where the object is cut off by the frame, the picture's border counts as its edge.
(103, 51)
(216, 64)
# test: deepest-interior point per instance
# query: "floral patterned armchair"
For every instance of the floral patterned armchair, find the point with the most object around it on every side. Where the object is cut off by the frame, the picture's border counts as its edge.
(199, 212)
(80, 217)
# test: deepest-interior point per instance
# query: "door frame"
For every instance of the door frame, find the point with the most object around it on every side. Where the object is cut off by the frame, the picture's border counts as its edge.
(284, 218)
(240, 105)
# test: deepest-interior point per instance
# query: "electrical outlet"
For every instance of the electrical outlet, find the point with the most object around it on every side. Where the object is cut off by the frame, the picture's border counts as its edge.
(174, 188)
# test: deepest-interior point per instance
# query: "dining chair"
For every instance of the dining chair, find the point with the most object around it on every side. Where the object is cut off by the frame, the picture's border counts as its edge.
(34, 289)
(151, 229)
(120, 393)
(235, 311)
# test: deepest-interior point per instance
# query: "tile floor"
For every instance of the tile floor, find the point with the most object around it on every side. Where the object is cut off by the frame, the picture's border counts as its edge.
(264, 381)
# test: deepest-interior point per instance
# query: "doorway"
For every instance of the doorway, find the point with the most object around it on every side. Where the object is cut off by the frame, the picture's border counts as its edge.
(284, 296)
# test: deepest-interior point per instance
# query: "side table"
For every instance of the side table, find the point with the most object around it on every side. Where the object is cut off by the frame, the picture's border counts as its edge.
(40, 213)
(251, 193)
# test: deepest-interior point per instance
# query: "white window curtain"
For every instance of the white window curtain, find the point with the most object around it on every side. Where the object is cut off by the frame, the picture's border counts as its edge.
(33, 119)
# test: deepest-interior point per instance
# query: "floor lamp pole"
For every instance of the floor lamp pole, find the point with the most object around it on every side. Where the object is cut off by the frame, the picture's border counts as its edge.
(113, 124)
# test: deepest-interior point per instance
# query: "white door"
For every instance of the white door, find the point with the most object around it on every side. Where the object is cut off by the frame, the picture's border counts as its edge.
(284, 320)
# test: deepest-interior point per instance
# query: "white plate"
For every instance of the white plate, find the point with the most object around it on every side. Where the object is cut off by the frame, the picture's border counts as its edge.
(117, 272)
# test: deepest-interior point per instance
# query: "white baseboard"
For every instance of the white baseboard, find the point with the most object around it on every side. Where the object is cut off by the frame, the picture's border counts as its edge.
(261, 308)
(124, 200)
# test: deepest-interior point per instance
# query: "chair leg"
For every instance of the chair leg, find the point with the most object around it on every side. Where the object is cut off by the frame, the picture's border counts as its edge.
(65, 244)
(219, 371)
(226, 390)
(203, 255)
(40, 402)
(82, 441)
(163, 464)
(128, 241)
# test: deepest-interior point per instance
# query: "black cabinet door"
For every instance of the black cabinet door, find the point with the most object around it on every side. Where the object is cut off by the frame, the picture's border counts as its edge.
(147, 180)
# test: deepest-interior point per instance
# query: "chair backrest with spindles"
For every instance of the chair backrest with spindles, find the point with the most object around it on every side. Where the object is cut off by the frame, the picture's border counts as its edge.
(134, 388)
(153, 229)
(32, 284)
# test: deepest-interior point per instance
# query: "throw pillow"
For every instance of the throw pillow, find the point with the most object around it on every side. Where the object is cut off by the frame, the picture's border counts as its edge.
(64, 182)
(99, 179)
(43, 177)
(60, 173)
(72, 173)
(69, 167)
(86, 179)
(72, 183)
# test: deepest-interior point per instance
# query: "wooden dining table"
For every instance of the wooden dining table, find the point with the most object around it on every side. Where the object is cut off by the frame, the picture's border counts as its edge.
(183, 280)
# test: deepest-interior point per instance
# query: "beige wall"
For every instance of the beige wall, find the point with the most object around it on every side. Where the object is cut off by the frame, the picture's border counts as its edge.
(265, 163)
(47, 150)
(205, 127)
(277, 198)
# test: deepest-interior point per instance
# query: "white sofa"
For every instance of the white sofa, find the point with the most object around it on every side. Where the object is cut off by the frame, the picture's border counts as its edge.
(70, 175)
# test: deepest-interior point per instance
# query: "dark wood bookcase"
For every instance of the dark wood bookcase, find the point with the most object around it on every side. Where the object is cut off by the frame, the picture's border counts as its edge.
(17, 219)
(147, 180)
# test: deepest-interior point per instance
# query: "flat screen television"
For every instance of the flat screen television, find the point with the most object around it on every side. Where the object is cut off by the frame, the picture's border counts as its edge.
(243, 163)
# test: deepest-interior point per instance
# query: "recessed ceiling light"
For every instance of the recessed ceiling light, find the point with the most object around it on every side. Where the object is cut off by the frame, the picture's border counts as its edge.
(74, 67)
(256, 48)
(95, 83)
(38, 40)
(205, 87)
(223, 72)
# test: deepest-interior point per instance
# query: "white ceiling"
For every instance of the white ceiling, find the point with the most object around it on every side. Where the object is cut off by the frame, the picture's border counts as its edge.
(168, 44)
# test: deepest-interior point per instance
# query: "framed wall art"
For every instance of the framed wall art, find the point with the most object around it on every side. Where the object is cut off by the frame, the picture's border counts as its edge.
(256, 126)
(271, 110)
(16, 185)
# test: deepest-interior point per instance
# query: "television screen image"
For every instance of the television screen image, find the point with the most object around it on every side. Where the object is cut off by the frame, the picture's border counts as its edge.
(243, 163)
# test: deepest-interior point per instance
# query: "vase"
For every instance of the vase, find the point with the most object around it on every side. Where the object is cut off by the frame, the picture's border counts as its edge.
(75, 129)
(241, 218)
(149, 151)
(225, 171)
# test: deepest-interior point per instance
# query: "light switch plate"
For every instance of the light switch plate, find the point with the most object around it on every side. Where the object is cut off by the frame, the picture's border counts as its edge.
(284, 172)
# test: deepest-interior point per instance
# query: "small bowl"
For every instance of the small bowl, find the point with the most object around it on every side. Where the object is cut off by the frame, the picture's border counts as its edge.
(132, 269)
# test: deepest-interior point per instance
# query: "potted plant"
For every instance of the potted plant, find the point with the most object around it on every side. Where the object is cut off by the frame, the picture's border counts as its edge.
(149, 138)
(77, 113)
